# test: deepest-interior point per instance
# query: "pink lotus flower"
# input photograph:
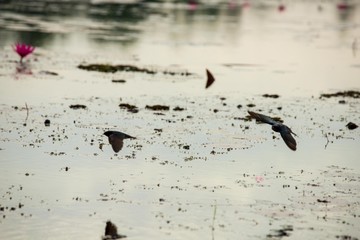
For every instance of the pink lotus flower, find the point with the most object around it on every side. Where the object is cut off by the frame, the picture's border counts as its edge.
(23, 50)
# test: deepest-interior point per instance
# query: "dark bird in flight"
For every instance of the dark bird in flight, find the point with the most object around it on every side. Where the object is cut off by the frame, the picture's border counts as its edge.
(210, 79)
(116, 139)
(284, 130)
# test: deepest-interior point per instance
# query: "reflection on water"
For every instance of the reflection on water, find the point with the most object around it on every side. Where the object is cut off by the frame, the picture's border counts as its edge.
(277, 44)
(47, 23)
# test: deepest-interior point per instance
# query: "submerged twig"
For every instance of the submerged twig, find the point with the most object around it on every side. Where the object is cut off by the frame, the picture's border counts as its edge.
(27, 112)
(213, 222)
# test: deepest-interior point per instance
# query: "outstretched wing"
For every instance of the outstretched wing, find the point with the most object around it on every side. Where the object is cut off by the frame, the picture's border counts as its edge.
(128, 136)
(262, 118)
(116, 142)
(210, 79)
(287, 137)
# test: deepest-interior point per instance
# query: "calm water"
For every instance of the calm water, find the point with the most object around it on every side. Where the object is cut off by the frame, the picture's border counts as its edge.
(56, 182)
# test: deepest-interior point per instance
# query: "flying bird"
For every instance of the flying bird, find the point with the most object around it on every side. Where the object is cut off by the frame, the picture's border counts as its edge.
(116, 139)
(284, 130)
(210, 79)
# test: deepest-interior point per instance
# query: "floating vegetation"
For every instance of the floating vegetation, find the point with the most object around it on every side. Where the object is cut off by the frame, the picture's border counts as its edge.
(346, 237)
(158, 107)
(270, 95)
(118, 81)
(352, 94)
(129, 107)
(178, 109)
(279, 233)
(107, 68)
(78, 106)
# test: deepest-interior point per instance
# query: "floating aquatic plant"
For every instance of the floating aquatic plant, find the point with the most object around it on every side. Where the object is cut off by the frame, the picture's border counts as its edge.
(23, 50)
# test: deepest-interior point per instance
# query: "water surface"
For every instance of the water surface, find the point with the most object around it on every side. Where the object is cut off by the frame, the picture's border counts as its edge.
(56, 182)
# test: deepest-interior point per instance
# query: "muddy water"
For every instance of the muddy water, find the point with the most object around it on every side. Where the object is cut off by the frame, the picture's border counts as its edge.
(199, 170)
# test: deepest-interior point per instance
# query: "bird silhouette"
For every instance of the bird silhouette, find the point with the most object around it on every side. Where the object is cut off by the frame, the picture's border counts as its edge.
(111, 232)
(210, 79)
(284, 130)
(116, 139)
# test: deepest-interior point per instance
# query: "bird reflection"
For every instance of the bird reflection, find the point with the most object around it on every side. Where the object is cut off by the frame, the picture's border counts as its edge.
(111, 232)
(284, 130)
(116, 139)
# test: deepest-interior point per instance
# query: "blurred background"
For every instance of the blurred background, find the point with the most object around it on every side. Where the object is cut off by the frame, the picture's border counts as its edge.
(298, 45)
(108, 25)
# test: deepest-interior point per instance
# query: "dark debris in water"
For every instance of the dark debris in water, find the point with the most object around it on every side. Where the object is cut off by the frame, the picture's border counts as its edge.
(158, 107)
(346, 237)
(47, 123)
(270, 95)
(247, 118)
(352, 94)
(178, 109)
(129, 107)
(279, 233)
(107, 68)
(322, 201)
(351, 126)
(78, 106)
(65, 168)
(45, 72)
(118, 81)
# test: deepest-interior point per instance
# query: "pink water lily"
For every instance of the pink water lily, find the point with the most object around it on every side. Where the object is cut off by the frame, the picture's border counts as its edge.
(23, 50)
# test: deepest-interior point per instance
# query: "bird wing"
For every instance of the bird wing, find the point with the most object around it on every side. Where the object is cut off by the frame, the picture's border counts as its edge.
(285, 133)
(128, 136)
(210, 79)
(262, 118)
(116, 142)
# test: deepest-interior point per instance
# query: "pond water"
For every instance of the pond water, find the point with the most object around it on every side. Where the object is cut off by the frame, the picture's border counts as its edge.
(200, 170)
